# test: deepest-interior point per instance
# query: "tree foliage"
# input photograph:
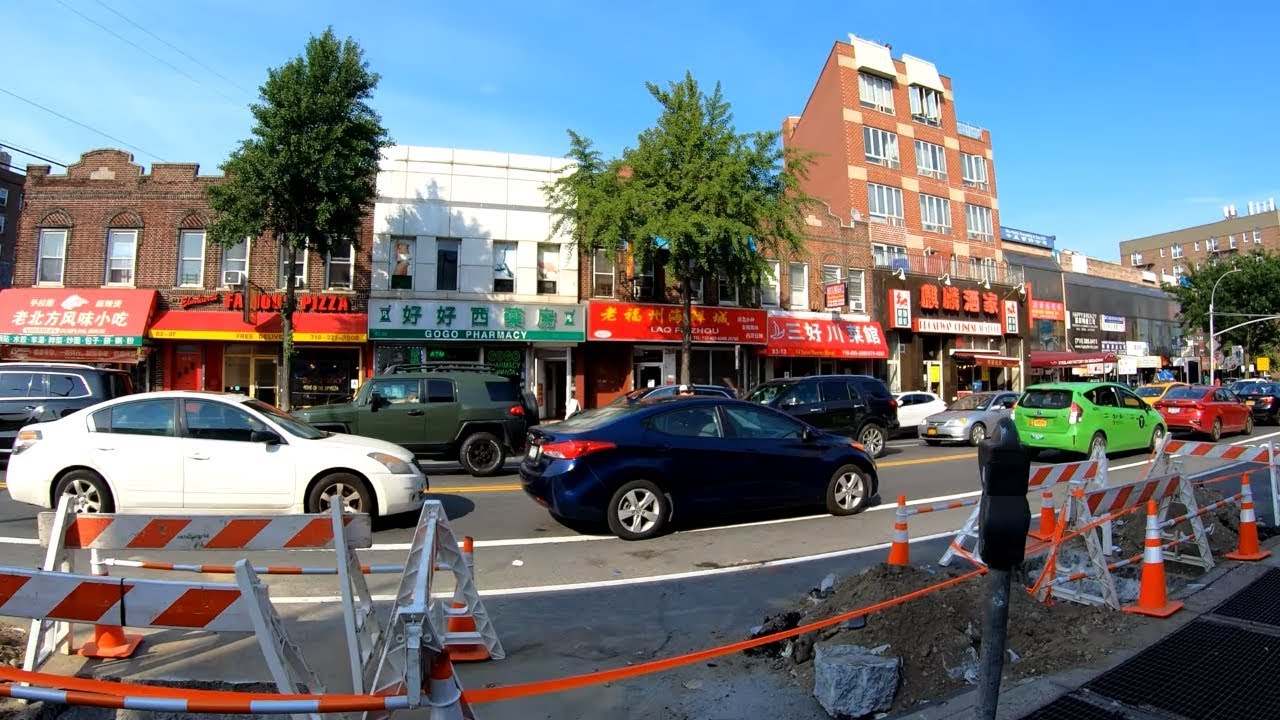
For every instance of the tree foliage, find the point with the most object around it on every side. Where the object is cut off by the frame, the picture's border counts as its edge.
(307, 174)
(1254, 290)
(694, 194)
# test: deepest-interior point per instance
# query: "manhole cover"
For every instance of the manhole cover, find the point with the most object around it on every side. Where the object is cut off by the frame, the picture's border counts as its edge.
(1070, 708)
(1256, 602)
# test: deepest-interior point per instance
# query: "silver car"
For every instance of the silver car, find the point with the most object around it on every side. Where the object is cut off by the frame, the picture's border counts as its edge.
(968, 419)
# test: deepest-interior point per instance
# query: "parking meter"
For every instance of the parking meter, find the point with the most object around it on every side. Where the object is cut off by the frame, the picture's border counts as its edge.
(1004, 515)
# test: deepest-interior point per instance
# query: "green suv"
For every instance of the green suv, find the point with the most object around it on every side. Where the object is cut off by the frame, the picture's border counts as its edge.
(1086, 417)
(438, 411)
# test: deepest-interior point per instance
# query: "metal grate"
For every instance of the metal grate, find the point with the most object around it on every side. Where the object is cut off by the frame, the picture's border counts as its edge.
(1071, 708)
(1204, 671)
(1256, 602)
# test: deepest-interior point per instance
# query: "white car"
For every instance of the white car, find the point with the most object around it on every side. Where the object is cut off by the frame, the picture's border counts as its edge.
(914, 407)
(207, 452)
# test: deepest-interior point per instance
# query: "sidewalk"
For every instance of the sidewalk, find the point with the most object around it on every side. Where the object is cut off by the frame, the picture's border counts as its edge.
(1214, 659)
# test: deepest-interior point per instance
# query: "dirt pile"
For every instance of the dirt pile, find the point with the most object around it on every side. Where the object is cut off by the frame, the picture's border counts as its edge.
(1223, 526)
(13, 644)
(938, 635)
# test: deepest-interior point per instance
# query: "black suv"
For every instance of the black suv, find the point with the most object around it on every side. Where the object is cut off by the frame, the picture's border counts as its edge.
(39, 392)
(438, 411)
(859, 406)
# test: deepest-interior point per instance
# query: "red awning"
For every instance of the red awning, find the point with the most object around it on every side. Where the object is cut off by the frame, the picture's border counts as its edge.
(222, 325)
(825, 338)
(75, 316)
(1050, 359)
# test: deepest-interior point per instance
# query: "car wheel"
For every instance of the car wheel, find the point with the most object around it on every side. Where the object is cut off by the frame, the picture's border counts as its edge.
(933, 443)
(848, 491)
(340, 487)
(1157, 436)
(872, 437)
(1098, 445)
(481, 454)
(1248, 425)
(638, 511)
(1215, 434)
(977, 434)
(88, 491)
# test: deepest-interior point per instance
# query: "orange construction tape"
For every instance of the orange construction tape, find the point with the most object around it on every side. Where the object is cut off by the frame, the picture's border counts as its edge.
(111, 687)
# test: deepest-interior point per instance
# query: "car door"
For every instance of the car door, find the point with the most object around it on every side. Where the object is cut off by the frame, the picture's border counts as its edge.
(774, 455)
(136, 448)
(1137, 420)
(838, 406)
(223, 467)
(396, 412)
(1106, 408)
(703, 468)
(804, 401)
(1232, 409)
(911, 409)
(443, 413)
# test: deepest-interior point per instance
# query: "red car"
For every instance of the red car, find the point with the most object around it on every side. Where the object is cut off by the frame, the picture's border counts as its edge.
(1205, 409)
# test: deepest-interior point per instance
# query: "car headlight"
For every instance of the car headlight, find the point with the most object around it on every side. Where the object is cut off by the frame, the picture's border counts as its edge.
(958, 421)
(393, 464)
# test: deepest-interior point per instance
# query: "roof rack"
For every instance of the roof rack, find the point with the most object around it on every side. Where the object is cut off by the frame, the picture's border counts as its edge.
(442, 367)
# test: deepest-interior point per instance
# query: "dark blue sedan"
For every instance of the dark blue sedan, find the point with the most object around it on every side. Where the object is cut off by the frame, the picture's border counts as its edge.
(631, 465)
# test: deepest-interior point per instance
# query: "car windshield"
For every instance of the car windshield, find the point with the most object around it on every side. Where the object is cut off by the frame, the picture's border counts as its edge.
(971, 402)
(592, 419)
(1256, 388)
(291, 424)
(767, 393)
(1185, 393)
(1046, 399)
(1149, 391)
(632, 396)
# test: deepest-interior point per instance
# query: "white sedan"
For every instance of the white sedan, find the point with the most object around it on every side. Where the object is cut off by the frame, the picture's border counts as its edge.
(914, 407)
(207, 452)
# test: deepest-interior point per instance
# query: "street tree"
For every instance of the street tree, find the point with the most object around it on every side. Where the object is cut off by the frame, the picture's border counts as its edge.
(306, 176)
(694, 194)
(1250, 294)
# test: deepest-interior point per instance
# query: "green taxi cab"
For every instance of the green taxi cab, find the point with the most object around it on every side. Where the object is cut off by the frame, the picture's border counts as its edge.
(1086, 417)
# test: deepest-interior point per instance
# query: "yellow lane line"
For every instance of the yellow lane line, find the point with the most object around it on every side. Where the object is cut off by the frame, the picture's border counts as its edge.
(922, 461)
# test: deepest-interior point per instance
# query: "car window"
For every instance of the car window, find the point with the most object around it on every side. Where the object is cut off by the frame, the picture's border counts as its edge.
(1148, 391)
(800, 394)
(594, 418)
(1131, 401)
(1102, 397)
(766, 393)
(1185, 393)
(1224, 396)
(711, 392)
(209, 420)
(398, 392)
(692, 422)
(747, 422)
(874, 388)
(65, 386)
(834, 390)
(502, 390)
(143, 417)
(903, 401)
(1046, 399)
(291, 424)
(440, 391)
(15, 384)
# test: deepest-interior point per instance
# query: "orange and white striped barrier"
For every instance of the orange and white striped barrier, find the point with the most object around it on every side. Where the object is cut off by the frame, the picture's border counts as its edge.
(1248, 546)
(1165, 461)
(900, 549)
(1153, 597)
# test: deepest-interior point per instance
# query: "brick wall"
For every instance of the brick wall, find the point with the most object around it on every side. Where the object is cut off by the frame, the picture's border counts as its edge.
(1100, 268)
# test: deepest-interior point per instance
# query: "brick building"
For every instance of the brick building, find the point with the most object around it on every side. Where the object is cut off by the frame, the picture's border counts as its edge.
(11, 184)
(1169, 255)
(106, 235)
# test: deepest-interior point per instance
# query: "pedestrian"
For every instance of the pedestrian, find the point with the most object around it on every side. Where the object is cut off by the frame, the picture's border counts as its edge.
(685, 391)
(733, 389)
(571, 406)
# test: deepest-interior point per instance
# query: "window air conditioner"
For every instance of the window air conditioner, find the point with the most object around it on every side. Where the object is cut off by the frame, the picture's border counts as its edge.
(232, 278)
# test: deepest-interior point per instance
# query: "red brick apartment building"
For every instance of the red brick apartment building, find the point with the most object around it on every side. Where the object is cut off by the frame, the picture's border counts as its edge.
(112, 266)
(1171, 254)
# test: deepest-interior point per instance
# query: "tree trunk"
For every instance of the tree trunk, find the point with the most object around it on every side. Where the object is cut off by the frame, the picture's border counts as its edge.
(686, 341)
(285, 374)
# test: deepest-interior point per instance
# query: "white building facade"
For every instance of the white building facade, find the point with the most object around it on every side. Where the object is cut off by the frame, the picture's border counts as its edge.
(465, 268)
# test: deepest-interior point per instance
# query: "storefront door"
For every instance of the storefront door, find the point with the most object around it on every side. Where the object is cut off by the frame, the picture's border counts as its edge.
(933, 377)
(187, 363)
(265, 379)
(648, 374)
(553, 388)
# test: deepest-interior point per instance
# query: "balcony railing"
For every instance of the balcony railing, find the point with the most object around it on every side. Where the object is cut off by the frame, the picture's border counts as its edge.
(938, 265)
(968, 130)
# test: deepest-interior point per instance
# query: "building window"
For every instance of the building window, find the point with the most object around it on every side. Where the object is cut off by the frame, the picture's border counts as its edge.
(884, 255)
(1257, 237)
(548, 268)
(299, 273)
(726, 290)
(798, 274)
(603, 275)
(2, 219)
(1211, 244)
(645, 288)
(1161, 252)
(769, 285)
(340, 268)
(875, 92)
(978, 222)
(1178, 270)
(447, 264)
(696, 286)
(4, 198)
(830, 274)
(855, 283)
(931, 160)
(884, 204)
(1176, 251)
(973, 169)
(1196, 246)
(191, 258)
(122, 252)
(880, 146)
(402, 268)
(982, 269)
(53, 255)
(504, 267)
(235, 264)
(935, 214)
(926, 105)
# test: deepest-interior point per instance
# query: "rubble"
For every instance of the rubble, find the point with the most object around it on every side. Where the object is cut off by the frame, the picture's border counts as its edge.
(852, 681)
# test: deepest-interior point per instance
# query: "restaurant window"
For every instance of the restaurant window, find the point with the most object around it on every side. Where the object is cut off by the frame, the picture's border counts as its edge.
(322, 376)
(52, 256)
(548, 268)
(340, 266)
(402, 268)
(504, 267)
(122, 253)
(235, 264)
(603, 274)
(191, 258)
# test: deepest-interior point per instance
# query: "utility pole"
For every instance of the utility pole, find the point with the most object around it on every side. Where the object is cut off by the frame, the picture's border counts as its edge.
(1213, 358)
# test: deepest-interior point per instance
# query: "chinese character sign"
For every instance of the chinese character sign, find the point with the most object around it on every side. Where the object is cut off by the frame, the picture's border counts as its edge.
(1011, 317)
(900, 306)
(81, 313)
(476, 321)
(609, 320)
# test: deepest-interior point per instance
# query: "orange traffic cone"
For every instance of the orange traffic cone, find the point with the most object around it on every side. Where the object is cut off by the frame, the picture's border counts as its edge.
(900, 550)
(444, 693)
(109, 641)
(1152, 597)
(1048, 520)
(1248, 547)
(464, 622)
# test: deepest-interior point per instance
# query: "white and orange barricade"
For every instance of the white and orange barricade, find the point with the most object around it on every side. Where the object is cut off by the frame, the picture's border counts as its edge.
(1167, 459)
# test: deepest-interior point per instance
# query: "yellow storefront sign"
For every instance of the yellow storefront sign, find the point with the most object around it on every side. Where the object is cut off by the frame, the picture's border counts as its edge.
(1263, 364)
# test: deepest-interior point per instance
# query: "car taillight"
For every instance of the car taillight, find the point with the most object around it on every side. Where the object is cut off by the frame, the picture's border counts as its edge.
(573, 449)
(1076, 413)
(893, 403)
(516, 410)
(1266, 401)
(25, 439)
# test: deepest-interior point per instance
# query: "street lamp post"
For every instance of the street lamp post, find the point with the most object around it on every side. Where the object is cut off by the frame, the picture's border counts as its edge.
(1213, 358)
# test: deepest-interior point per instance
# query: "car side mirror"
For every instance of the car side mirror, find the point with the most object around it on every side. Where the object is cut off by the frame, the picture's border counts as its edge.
(808, 435)
(376, 401)
(266, 437)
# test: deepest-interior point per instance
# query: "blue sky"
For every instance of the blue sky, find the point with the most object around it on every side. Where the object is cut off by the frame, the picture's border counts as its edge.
(1109, 120)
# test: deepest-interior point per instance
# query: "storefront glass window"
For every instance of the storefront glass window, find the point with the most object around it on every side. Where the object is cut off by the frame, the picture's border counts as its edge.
(324, 375)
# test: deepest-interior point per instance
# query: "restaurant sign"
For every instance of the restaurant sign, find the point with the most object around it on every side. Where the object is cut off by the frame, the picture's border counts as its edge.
(90, 316)
(474, 321)
(664, 323)
(957, 327)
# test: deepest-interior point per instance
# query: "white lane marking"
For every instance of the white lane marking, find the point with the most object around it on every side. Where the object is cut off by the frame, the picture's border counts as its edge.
(1251, 438)
(648, 579)
(19, 541)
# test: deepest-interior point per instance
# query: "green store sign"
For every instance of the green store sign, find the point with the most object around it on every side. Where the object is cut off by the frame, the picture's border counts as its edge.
(479, 322)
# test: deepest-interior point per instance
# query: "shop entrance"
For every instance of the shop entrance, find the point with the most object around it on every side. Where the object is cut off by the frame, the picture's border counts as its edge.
(553, 388)
(648, 374)
(187, 364)
(251, 371)
(933, 376)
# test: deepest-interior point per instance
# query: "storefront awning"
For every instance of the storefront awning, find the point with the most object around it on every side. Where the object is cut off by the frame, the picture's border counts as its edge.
(825, 338)
(1051, 359)
(96, 317)
(230, 326)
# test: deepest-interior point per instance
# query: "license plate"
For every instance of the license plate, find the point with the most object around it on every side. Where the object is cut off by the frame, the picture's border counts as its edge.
(1174, 411)
(1248, 402)
(534, 452)
(931, 431)
(1039, 422)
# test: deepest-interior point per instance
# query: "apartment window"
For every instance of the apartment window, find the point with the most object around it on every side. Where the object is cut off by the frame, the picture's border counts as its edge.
(884, 255)
(884, 204)
(548, 268)
(982, 269)
(191, 258)
(299, 270)
(1175, 251)
(235, 259)
(1196, 246)
(402, 267)
(53, 256)
(1161, 252)
(696, 287)
(603, 275)
(2, 218)
(340, 267)
(855, 282)
(726, 290)
(1178, 270)
(830, 274)
(935, 214)
(931, 160)
(1231, 242)
(1257, 237)
(798, 275)
(645, 287)
(769, 290)
(122, 252)
(880, 146)
(973, 169)
(926, 105)
(4, 198)
(504, 267)
(1211, 244)
(875, 92)
(447, 264)
(978, 222)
